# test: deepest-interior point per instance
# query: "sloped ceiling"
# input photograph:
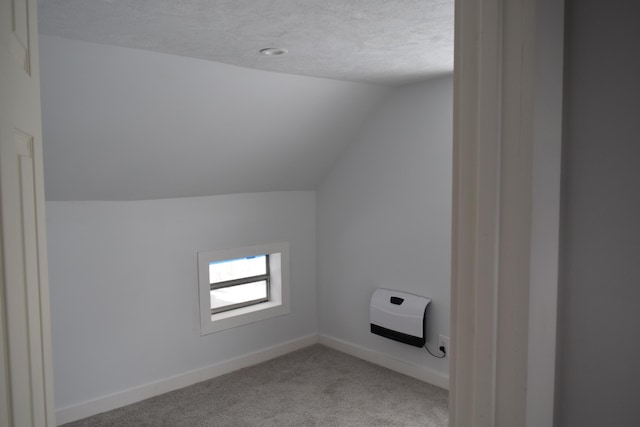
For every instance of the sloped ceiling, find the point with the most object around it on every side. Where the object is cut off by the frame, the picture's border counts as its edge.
(379, 41)
(127, 124)
(146, 99)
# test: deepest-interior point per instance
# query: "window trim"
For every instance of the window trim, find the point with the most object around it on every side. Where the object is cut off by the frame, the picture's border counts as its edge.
(278, 304)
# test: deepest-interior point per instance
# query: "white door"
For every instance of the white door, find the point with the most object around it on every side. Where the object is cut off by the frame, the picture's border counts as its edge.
(26, 391)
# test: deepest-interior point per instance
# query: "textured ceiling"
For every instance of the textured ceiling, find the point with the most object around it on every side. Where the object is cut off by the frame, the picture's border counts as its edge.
(378, 41)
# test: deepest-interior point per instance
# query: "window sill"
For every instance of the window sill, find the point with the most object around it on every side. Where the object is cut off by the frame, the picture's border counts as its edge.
(244, 316)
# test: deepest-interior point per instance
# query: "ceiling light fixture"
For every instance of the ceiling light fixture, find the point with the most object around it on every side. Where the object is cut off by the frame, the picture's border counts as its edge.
(273, 51)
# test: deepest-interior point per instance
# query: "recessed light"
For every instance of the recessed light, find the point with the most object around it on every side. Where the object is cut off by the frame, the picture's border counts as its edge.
(273, 51)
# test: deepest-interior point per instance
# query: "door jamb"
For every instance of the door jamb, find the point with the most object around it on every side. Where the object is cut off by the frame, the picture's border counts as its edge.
(496, 182)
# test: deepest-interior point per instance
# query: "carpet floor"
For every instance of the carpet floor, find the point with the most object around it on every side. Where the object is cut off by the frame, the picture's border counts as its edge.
(315, 386)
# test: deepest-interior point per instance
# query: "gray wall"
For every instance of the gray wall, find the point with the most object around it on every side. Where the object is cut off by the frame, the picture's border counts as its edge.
(599, 330)
(384, 220)
(124, 285)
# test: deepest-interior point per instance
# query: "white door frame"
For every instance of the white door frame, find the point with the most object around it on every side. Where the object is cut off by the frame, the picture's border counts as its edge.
(507, 139)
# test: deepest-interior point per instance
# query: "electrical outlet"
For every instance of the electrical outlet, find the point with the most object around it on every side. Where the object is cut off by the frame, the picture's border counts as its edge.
(443, 341)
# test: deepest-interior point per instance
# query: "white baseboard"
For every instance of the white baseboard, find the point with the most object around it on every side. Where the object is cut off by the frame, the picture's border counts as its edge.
(418, 372)
(136, 394)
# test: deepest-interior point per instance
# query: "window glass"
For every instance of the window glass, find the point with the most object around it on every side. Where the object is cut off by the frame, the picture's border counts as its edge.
(232, 295)
(222, 271)
(238, 282)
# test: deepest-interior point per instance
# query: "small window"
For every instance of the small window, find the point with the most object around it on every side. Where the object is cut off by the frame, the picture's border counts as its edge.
(239, 282)
(242, 285)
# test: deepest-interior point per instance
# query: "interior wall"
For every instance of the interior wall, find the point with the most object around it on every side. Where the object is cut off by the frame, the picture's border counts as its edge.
(599, 349)
(124, 288)
(384, 220)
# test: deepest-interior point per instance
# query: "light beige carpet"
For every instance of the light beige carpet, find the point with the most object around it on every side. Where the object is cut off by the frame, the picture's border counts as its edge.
(315, 386)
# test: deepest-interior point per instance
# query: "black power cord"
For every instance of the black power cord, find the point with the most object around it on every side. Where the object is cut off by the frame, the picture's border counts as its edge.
(442, 350)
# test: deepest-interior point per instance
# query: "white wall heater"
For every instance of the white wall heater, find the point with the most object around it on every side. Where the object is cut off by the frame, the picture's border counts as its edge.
(399, 316)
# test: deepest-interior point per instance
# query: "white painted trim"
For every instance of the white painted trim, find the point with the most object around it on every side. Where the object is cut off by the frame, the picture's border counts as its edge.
(492, 211)
(418, 372)
(136, 394)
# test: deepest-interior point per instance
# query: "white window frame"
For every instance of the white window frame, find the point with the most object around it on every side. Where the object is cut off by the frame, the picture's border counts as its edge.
(278, 303)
